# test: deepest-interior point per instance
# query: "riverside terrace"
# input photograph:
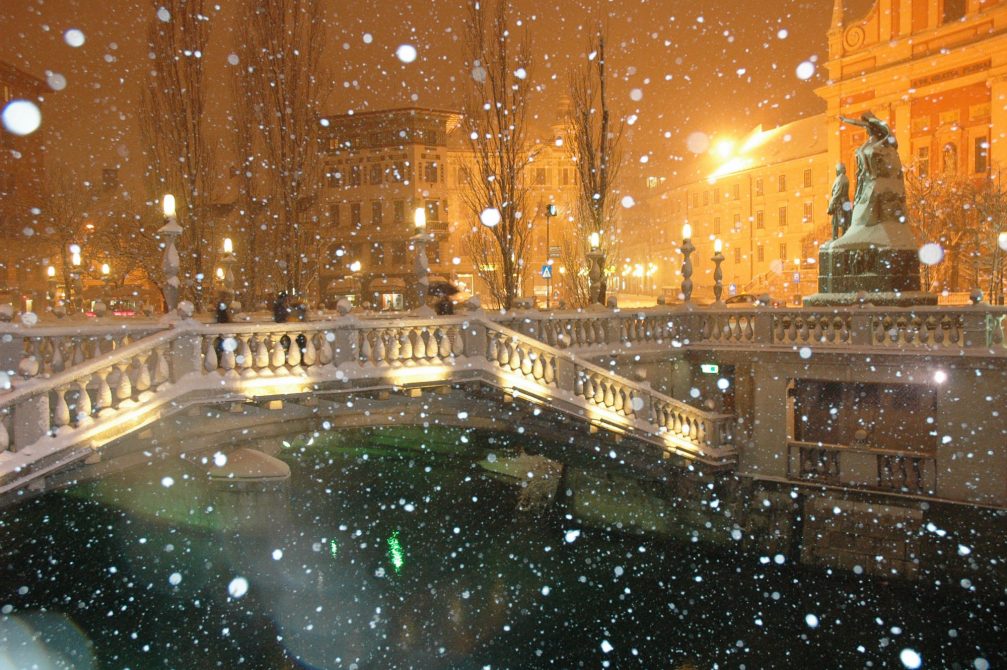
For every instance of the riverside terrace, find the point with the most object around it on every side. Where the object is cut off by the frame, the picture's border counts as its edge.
(907, 403)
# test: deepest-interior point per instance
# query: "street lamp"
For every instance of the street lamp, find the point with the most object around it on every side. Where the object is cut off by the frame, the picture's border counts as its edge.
(170, 230)
(78, 284)
(594, 267)
(687, 249)
(422, 266)
(718, 273)
(50, 273)
(228, 261)
(358, 297)
(550, 211)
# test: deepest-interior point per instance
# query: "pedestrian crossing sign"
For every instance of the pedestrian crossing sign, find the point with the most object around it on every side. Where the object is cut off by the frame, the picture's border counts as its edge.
(546, 271)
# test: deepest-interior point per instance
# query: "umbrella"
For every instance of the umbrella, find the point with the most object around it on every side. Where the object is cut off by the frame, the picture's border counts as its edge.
(442, 288)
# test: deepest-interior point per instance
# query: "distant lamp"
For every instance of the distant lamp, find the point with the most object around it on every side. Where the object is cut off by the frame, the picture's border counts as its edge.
(168, 205)
(550, 210)
(50, 272)
(355, 266)
(718, 247)
(686, 232)
(420, 218)
(594, 239)
(220, 274)
(105, 270)
(228, 246)
(75, 258)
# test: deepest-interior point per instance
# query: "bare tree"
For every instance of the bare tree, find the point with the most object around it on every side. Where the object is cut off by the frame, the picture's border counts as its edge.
(66, 206)
(283, 86)
(963, 214)
(173, 127)
(596, 143)
(495, 123)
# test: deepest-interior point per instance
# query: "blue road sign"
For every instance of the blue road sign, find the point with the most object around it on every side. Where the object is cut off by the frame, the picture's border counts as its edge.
(547, 271)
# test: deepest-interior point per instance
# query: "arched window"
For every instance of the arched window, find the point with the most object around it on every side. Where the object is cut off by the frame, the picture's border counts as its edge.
(950, 158)
(954, 10)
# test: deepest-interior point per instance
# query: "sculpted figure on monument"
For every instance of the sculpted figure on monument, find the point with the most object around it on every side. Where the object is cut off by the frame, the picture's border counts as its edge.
(840, 207)
(880, 196)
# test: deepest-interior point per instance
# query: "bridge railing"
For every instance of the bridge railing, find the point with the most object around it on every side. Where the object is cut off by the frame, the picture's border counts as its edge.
(42, 350)
(908, 472)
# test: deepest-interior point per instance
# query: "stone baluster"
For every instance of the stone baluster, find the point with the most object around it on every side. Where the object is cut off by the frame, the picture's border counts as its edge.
(310, 355)
(83, 401)
(123, 389)
(60, 408)
(5, 441)
(141, 375)
(325, 341)
(103, 394)
(293, 351)
(210, 361)
(278, 356)
(244, 359)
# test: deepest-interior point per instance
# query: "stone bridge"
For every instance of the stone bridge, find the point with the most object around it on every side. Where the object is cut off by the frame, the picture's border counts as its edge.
(769, 412)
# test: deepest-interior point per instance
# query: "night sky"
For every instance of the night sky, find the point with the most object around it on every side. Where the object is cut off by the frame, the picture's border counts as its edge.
(715, 66)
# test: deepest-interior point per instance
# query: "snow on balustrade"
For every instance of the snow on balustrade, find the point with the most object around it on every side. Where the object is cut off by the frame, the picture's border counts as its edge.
(46, 350)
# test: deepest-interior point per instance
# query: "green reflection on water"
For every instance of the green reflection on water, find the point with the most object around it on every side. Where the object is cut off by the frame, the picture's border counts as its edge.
(395, 554)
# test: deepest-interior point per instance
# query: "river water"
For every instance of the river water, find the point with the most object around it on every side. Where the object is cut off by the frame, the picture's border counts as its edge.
(378, 556)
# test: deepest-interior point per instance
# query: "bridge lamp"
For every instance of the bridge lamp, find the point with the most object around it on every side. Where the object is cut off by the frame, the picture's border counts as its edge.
(168, 206)
(50, 272)
(355, 266)
(228, 246)
(940, 376)
(420, 219)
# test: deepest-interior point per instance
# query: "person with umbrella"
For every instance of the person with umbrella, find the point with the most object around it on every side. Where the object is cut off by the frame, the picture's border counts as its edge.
(445, 306)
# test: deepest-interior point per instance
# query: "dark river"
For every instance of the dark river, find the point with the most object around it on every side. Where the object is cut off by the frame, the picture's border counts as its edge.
(374, 556)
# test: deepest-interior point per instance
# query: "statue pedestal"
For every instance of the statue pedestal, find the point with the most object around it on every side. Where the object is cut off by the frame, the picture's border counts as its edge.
(887, 276)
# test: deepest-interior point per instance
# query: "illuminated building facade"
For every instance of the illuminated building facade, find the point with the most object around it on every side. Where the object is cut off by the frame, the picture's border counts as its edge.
(380, 166)
(22, 173)
(935, 70)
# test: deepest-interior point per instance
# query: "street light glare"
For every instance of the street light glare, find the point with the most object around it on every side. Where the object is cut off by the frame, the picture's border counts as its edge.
(355, 266)
(724, 149)
(168, 205)
(228, 245)
(420, 217)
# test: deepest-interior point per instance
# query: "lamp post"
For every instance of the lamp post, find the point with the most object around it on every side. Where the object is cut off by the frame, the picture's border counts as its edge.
(421, 265)
(106, 272)
(358, 298)
(594, 268)
(718, 273)
(50, 275)
(550, 211)
(228, 261)
(687, 249)
(170, 231)
(78, 284)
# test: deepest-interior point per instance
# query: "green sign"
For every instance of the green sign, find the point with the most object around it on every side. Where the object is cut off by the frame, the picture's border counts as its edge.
(709, 368)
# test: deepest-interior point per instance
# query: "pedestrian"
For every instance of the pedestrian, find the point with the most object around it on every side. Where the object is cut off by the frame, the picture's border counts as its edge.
(445, 306)
(281, 310)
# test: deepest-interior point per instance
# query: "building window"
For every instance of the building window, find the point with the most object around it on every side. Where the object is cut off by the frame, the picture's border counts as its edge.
(377, 254)
(355, 214)
(430, 172)
(737, 255)
(464, 176)
(736, 191)
(982, 149)
(954, 10)
(376, 212)
(783, 217)
(399, 208)
(334, 214)
(760, 253)
(783, 251)
(737, 224)
(716, 225)
(433, 211)
(376, 174)
(950, 158)
(782, 183)
(807, 178)
(758, 188)
(434, 252)
(399, 255)
(355, 175)
(566, 176)
(716, 196)
(540, 176)
(923, 161)
(809, 212)
(706, 198)
(760, 220)
(335, 178)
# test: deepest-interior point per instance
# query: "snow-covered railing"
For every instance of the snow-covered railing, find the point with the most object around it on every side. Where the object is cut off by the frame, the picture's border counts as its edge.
(41, 350)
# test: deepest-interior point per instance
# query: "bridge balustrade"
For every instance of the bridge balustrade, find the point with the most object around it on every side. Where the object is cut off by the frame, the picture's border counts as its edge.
(887, 470)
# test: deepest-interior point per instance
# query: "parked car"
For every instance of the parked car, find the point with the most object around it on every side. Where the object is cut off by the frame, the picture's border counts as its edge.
(743, 300)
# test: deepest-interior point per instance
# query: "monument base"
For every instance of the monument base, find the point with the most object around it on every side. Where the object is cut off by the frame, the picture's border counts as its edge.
(881, 276)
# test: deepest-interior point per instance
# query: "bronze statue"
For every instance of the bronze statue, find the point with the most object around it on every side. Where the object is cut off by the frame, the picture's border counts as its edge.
(840, 207)
(880, 196)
